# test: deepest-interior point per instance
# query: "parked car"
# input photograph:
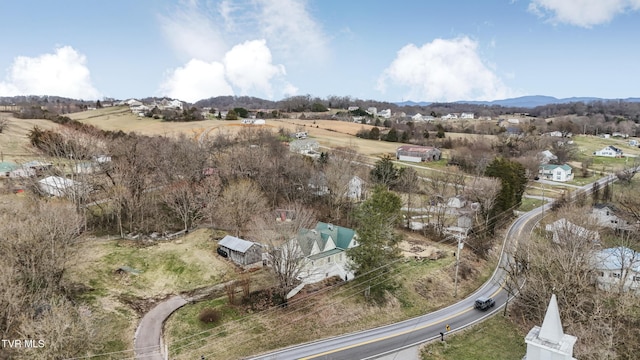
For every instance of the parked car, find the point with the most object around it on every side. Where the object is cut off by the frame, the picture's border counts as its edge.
(484, 303)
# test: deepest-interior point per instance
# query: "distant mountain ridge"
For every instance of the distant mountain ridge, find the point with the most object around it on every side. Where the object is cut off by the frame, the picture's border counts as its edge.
(530, 101)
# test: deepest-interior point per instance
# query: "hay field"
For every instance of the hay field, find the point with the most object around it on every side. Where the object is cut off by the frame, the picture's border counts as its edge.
(14, 143)
(329, 133)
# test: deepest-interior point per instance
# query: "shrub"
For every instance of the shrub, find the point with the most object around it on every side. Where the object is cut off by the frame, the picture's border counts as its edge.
(209, 315)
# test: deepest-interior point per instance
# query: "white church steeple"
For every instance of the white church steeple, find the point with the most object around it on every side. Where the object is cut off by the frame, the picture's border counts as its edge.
(549, 342)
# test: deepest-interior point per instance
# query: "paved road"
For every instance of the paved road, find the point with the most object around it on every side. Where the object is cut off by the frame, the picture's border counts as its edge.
(386, 340)
(148, 339)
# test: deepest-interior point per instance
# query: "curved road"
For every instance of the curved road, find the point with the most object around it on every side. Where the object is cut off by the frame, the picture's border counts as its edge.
(377, 342)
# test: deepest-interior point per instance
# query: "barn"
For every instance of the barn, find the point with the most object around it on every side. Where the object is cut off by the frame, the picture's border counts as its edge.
(241, 252)
(416, 153)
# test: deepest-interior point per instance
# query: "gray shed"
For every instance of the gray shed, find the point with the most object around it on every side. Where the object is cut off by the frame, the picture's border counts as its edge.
(241, 252)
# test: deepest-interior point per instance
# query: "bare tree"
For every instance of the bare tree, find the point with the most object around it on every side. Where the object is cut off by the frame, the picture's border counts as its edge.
(186, 200)
(484, 191)
(409, 182)
(343, 165)
(4, 122)
(625, 175)
(239, 203)
(285, 255)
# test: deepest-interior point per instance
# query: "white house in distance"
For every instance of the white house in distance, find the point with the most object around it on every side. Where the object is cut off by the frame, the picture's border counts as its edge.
(466, 116)
(609, 151)
(563, 228)
(560, 173)
(605, 216)
(59, 186)
(355, 188)
(386, 113)
(547, 157)
(616, 267)
(549, 342)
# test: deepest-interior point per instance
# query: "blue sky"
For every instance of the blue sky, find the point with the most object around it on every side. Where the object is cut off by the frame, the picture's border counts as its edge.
(383, 50)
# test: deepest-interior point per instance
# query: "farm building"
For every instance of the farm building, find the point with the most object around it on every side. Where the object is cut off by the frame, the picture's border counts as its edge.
(415, 153)
(241, 252)
(60, 186)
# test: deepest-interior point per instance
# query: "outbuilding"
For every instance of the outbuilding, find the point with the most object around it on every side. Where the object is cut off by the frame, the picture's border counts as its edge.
(241, 252)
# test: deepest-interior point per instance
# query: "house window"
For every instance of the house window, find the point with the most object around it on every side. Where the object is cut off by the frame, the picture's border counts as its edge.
(329, 260)
(636, 278)
(616, 275)
(601, 273)
(313, 263)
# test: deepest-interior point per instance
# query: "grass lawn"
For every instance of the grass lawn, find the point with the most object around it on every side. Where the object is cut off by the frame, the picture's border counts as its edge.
(529, 204)
(588, 144)
(426, 286)
(165, 268)
(493, 339)
(581, 181)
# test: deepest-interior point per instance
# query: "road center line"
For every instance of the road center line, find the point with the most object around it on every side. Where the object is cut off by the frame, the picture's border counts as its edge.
(394, 335)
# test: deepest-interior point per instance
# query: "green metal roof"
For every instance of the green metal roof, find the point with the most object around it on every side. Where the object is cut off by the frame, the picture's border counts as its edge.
(550, 167)
(7, 166)
(341, 235)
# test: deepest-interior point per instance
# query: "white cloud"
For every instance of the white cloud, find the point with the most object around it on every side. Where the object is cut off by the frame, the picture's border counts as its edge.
(196, 80)
(443, 70)
(199, 30)
(193, 33)
(248, 67)
(63, 73)
(583, 13)
(289, 25)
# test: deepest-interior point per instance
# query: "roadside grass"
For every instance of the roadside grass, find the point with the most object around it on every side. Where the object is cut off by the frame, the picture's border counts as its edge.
(494, 339)
(424, 286)
(529, 204)
(582, 181)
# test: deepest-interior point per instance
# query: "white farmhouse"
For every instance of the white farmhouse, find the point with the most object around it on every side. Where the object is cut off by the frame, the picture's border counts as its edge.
(618, 269)
(386, 113)
(609, 151)
(552, 172)
(323, 250)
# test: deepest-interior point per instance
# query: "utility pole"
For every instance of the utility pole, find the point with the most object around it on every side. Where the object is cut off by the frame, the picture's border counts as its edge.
(543, 202)
(460, 245)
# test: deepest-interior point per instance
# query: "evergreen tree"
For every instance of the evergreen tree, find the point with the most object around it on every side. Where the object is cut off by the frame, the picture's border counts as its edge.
(377, 250)
(384, 172)
(392, 135)
(513, 178)
(231, 115)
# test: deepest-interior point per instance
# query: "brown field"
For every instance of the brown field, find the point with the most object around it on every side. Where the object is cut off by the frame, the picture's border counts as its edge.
(329, 133)
(14, 143)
